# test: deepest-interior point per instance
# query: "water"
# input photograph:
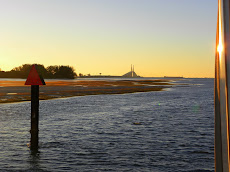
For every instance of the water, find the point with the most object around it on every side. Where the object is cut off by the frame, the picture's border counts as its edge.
(100, 133)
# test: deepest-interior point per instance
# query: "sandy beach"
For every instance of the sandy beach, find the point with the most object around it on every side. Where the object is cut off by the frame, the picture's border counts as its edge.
(16, 91)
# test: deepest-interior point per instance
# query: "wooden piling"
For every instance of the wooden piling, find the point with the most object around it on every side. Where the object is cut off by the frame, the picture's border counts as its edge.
(34, 80)
(34, 116)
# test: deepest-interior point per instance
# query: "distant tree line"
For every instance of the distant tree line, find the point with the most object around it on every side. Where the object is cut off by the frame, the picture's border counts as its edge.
(50, 72)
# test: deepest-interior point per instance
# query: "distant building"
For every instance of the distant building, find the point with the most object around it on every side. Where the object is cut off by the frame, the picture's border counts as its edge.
(131, 74)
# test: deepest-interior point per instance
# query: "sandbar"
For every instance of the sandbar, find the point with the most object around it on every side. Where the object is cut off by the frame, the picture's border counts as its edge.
(16, 91)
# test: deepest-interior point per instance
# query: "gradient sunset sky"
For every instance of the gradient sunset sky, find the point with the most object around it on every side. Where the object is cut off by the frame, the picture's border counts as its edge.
(159, 37)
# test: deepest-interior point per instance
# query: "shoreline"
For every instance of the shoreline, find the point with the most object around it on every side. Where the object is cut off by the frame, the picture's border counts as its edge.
(16, 91)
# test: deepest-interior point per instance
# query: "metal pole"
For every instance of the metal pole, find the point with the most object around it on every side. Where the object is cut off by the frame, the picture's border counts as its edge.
(222, 88)
(34, 116)
(218, 145)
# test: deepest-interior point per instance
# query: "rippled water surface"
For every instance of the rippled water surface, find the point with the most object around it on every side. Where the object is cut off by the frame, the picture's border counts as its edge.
(164, 131)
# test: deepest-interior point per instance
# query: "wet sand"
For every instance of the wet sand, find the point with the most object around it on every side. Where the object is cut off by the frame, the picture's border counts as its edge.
(16, 91)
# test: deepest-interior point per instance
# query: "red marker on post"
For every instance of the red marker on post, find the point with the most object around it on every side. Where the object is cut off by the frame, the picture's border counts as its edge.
(34, 80)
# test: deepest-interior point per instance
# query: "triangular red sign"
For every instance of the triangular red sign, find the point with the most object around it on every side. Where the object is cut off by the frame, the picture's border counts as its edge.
(34, 78)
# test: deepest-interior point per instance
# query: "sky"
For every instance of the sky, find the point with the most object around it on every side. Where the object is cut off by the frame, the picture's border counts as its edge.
(159, 37)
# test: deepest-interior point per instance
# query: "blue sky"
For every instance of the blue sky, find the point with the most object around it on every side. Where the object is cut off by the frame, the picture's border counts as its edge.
(169, 37)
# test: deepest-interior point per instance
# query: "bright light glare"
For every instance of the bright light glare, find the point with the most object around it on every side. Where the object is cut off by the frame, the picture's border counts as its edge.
(220, 48)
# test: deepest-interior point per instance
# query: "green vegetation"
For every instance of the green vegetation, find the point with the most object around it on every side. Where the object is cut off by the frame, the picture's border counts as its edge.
(50, 72)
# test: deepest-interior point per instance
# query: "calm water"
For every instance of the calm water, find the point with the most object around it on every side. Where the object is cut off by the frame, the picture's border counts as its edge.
(96, 133)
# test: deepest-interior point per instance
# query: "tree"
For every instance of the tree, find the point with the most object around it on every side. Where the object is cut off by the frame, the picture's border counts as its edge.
(42, 70)
(49, 72)
(65, 72)
(22, 71)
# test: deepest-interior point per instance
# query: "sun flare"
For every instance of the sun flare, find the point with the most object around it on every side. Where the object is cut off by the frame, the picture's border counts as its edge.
(220, 48)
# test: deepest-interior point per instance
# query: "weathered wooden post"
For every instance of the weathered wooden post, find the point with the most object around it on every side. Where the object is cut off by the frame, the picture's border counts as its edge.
(34, 80)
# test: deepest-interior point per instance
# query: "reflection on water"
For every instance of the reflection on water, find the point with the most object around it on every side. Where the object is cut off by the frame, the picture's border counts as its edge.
(34, 161)
(152, 131)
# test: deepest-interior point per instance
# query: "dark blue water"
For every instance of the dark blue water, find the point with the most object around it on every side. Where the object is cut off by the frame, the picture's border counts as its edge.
(100, 133)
